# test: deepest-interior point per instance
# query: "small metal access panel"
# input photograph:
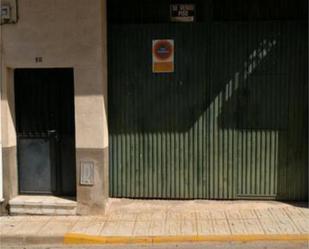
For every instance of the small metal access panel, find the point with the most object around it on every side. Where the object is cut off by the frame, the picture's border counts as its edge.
(87, 173)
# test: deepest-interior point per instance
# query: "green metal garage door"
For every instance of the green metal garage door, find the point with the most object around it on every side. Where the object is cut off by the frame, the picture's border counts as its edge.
(229, 123)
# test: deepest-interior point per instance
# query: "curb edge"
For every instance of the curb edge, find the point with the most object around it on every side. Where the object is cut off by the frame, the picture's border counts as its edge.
(76, 238)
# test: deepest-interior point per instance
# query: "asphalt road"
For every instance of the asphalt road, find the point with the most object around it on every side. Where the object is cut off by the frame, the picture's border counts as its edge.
(212, 245)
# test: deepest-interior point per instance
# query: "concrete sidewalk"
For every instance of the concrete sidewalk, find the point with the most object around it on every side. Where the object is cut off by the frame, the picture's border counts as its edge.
(137, 221)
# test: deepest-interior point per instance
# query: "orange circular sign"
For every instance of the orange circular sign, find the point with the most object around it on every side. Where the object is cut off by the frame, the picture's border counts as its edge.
(163, 50)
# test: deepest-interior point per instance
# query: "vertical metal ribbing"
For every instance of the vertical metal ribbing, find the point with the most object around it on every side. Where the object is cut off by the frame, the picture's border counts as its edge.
(213, 128)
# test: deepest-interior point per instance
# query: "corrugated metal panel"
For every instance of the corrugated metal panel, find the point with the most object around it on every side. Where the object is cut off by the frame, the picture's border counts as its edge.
(229, 123)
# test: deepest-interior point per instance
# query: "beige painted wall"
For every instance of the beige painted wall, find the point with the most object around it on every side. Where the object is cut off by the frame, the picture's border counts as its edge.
(65, 33)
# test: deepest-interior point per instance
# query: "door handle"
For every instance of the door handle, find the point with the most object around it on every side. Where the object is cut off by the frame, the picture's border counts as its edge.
(53, 134)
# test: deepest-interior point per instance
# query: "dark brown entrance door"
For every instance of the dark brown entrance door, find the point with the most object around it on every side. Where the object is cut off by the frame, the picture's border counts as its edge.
(45, 129)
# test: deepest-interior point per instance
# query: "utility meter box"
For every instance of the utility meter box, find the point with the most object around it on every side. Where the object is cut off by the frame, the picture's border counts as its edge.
(8, 11)
(5, 12)
(87, 173)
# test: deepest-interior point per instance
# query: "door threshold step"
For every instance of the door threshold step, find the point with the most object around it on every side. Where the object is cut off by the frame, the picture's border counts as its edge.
(42, 205)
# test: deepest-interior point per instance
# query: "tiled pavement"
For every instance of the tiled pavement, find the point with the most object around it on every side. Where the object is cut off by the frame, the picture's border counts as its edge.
(169, 218)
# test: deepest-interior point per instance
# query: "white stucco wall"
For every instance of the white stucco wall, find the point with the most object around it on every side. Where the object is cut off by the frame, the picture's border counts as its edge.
(64, 33)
